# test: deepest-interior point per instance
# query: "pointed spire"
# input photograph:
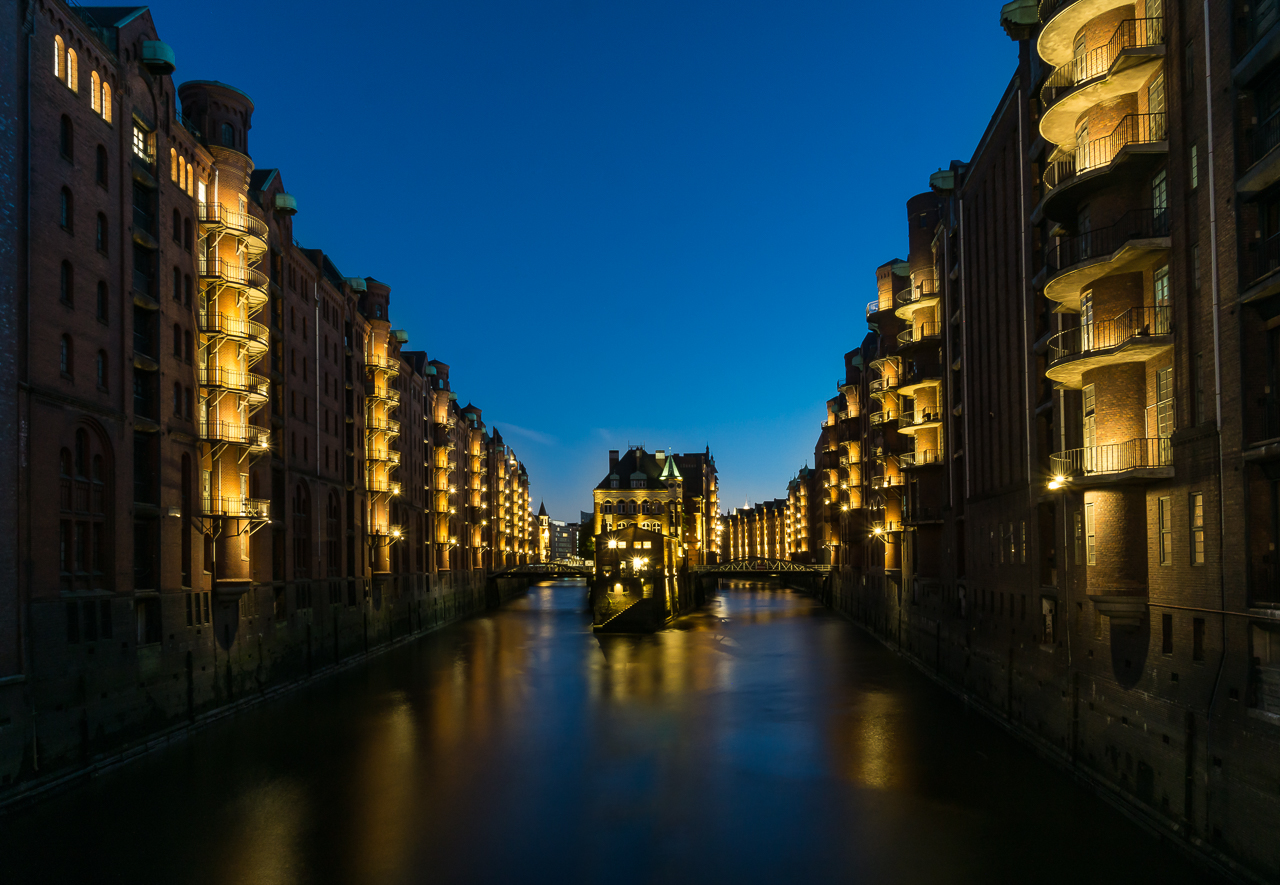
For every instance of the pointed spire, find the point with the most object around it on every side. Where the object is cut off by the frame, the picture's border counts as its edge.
(542, 511)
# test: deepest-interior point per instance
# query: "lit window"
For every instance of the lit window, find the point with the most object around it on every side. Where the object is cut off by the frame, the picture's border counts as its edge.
(1164, 403)
(173, 164)
(73, 71)
(182, 174)
(1164, 515)
(191, 174)
(142, 143)
(94, 94)
(106, 101)
(1090, 536)
(59, 56)
(1197, 528)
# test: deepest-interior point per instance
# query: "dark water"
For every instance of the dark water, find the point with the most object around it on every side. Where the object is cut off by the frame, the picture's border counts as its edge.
(766, 740)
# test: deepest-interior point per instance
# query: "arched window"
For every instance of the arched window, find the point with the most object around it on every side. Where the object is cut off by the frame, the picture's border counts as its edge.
(100, 166)
(173, 167)
(66, 284)
(106, 101)
(59, 57)
(186, 289)
(228, 135)
(182, 173)
(102, 370)
(606, 507)
(102, 300)
(177, 228)
(177, 341)
(187, 351)
(186, 234)
(177, 399)
(100, 237)
(191, 179)
(177, 285)
(73, 70)
(66, 356)
(95, 96)
(66, 211)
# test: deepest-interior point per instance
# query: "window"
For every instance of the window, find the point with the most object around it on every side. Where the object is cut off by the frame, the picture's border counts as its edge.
(66, 139)
(177, 228)
(102, 370)
(191, 174)
(66, 357)
(173, 173)
(177, 399)
(1160, 201)
(1197, 639)
(1155, 95)
(228, 135)
(1089, 419)
(1164, 517)
(186, 290)
(100, 166)
(186, 234)
(187, 349)
(59, 58)
(66, 211)
(1164, 403)
(1090, 536)
(142, 144)
(1166, 634)
(1197, 528)
(73, 70)
(177, 285)
(102, 301)
(106, 101)
(66, 285)
(1195, 167)
(182, 174)
(100, 235)
(1160, 288)
(95, 96)
(177, 341)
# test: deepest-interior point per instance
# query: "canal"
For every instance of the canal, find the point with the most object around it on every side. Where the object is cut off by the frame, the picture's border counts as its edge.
(763, 739)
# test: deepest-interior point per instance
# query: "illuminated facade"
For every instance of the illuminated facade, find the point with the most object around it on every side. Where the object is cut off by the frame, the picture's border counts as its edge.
(244, 456)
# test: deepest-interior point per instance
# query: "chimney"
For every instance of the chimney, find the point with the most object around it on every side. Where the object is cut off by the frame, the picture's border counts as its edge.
(613, 460)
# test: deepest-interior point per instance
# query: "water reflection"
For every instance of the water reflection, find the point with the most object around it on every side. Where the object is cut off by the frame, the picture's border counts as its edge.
(762, 739)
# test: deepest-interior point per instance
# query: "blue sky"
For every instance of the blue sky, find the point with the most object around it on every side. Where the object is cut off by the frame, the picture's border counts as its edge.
(617, 221)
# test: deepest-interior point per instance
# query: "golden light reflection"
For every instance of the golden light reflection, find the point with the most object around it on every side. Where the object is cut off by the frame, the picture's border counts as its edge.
(386, 793)
(271, 818)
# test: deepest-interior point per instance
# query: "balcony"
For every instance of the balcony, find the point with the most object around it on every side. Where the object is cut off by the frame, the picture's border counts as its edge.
(254, 386)
(385, 394)
(382, 425)
(884, 416)
(877, 307)
(1135, 242)
(383, 363)
(394, 532)
(1260, 270)
(235, 508)
(881, 386)
(385, 486)
(1259, 157)
(234, 433)
(1135, 460)
(250, 280)
(1136, 335)
(914, 420)
(242, 225)
(880, 483)
(1119, 67)
(386, 456)
(1077, 173)
(920, 458)
(252, 335)
(923, 333)
(1257, 41)
(922, 294)
(848, 414)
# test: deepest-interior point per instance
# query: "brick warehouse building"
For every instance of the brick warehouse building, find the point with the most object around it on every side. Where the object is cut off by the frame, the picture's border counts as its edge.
(1050, 471)
(226, 469)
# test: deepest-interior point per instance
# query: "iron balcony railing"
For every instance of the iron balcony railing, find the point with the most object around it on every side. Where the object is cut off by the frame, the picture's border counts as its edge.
(884, 416)
(237, 434)
(876, 306)
(1114, 458)
(919, 416)
(1136, 224)
(926, 287)
(1133, 33)
(1258, 143)
(1138, 322)
(887, 482)
(387, 531)
(847, 414)
(236, 274)
(1098, 153)
(382, 425)
(879, 385)
(211, 214)
(236, 508)
(233, 379)
(920, 458)
(223, 326)
(382, 485)
(920, 334)
(390, 456)
(383, 363)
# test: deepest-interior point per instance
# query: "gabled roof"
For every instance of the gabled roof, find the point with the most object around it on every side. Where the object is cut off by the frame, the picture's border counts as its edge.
(542, 511)
(638, 464)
